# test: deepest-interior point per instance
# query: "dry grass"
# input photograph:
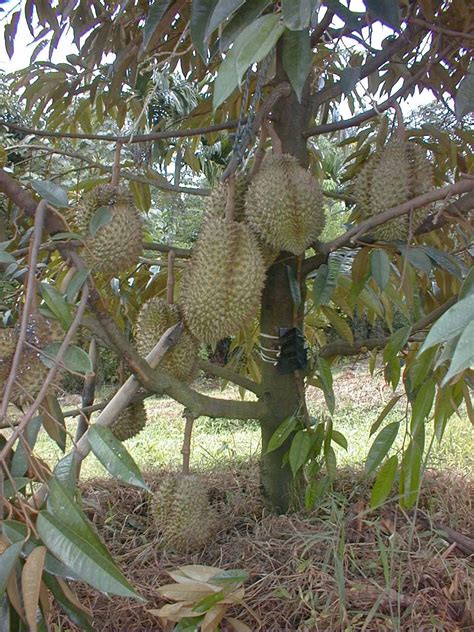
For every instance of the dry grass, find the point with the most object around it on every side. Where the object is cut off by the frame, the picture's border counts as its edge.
(337, 568)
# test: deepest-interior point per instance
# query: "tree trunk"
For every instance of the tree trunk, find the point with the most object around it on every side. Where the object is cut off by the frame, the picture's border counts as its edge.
(281, 392)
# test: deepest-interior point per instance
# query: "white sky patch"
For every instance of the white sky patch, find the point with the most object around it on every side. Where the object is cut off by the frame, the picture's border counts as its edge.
(24, 47)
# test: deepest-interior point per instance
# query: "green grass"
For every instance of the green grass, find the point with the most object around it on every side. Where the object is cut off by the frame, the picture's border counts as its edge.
(217, 441)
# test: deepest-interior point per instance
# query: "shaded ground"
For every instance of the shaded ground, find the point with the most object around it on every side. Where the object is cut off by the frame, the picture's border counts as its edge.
(340, 567)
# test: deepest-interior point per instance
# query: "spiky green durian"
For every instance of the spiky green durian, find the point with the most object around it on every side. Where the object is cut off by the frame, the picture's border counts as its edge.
(182, 513)
(223, 282)
(115, 245)
(392, 176)
(154, 318)
(284, 204)
(130, 422)
(32, 371)
(217, 201)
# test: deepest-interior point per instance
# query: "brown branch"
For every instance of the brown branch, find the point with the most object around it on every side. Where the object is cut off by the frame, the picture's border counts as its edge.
(130, 138)
(441, 29)
(230, 376)
(170, 280)
(313, 263)
(88, 392)
(116, 166)
(184, 253)
(188, 433)
(30, 296)
(434, 221)
(318, 32)
(462, 186)
(344, 349)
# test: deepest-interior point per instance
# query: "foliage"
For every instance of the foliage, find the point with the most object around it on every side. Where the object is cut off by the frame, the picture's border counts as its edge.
(166, 96)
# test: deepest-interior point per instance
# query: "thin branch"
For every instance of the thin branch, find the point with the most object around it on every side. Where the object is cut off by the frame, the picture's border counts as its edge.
(116, 166)
(184, 253)
(170, 280)
(441, 29)
(230, 376)
(40, 214)
(462, 186)
(88, 391)
(188, 433)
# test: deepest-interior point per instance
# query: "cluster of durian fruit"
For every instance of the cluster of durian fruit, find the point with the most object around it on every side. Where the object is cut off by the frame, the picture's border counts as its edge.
(397, 173)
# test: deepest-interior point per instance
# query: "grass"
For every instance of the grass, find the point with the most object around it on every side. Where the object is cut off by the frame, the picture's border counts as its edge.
(218, 441)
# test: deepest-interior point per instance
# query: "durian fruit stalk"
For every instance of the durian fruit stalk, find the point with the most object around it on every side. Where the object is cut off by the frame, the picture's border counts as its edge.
(394, 175)
(154, 318)
(115, 246)
(284, 204)
(130, 422)
(223, 282)
(182, 514)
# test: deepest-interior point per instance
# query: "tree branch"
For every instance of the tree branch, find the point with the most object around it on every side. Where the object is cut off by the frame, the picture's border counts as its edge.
(462, 186)
(184, 253)
(231, 376)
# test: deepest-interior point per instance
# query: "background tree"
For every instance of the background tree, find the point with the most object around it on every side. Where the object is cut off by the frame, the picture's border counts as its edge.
(168, 95)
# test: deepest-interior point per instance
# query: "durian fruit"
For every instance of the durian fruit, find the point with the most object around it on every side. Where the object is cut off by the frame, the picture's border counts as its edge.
(217, 201)
(154, 318)
(8, 340)
(284, 204)
(115, 246)
(130, 422)
(32, 372)
(182, 513)
(223, 282)
(392, 176)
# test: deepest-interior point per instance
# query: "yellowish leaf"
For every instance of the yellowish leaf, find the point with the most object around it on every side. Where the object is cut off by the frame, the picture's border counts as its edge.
(71, 595)
(238, 626)
(175, 611)
(199, 572)
(31, 584)
(212, 619)
(187, 592)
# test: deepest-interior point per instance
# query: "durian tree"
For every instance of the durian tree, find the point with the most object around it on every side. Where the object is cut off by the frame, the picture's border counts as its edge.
(260, 83)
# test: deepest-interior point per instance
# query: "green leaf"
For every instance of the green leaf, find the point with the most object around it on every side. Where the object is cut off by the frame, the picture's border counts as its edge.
(451, 324)
(294, 286)
(325, 281)
(75, 358)
(244, 16)
(51, 192)
(65, 472)
(76, 552)
(11, 488)
(20, 459)
(339, 324)
(223, 10)
(384, 482)
(387, 408)
(53, 421)
(422, 406)
(464, 99)
(396, 343)
(325, 377)
(387, 11)
(282, 433)
(315, 491)
(420, 369)
(467, 287)
(410, 474)
(75, 614)
(349, 78)
(380, 447)
(297, 58)
(101, 217)
(8, 559)
(206, 603)
(297, 14)
(463, 357)
(299, 450)
(251, 46)
(57, 304)
(6, 257)
(331, 462)
(155, 13)
(201, 11)
(380, 267)
(445, 260)
(232, 576)
(340, 439)
(114, 456)
(75, 284)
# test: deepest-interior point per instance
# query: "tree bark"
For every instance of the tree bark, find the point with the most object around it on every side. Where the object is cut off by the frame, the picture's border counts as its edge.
(280, 392)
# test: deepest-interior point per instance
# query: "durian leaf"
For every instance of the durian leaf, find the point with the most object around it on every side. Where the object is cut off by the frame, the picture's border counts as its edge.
(75, 551)
(73, 612)
(325, 377)
(194, 572)
(201, 11)
(467, 287)
(20, 459)
(56, 303)
(297, 14)
(6, 257)
(51, 192)
(243, 17)
(384, 481)
(418, 258)
(75, 358)
(19, 483)
(31, 584)
(78, 279)
(380, 267)
(223, 10)
(422, 405)
(294, 286)
(446, 261)
(204, 604)
(463, 357)
(101, 217)
(349, 18)
(410, 474)
(464, 99)
(387, 11)
(282, 433)
(396, 343)
(114, 456)
(53, 421)
(331, 462)
(8, 559)
(339, 324)
(340, 439)
(299, 450)
(451, 324)
(387, 408)
(155, 13)
(187, 592)
(380, 447)
(297, 58)
(141, 195)
(349, 79)
(232, 576)
(325, 282)
(251, 46)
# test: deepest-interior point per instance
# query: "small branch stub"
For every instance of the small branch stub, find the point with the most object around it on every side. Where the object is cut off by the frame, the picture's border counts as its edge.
(171, 279)
(230, 204)
(116, 167)
(186, 449)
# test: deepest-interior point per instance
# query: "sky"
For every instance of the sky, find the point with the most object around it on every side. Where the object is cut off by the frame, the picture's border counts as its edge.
(23, 50)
